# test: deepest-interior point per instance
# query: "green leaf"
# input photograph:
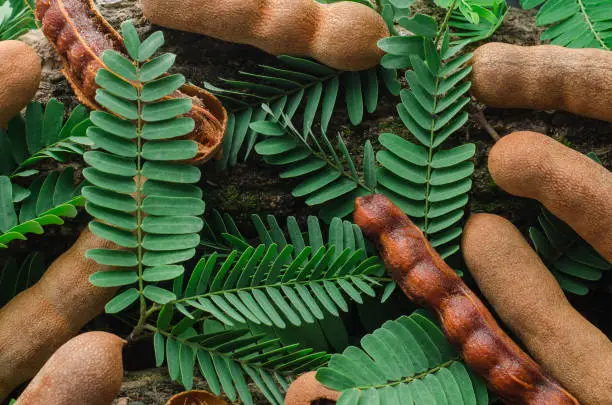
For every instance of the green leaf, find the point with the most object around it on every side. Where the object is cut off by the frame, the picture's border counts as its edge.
(122, 301)
(130, 37)
(116, 63)
(111, 143)
(109, 257)
(354, 99)
(268, 128)
(158, 295)
(172, 128)
(162, 273)
(171, 172)
(150, 45)
(156, 67)
(420, 24)
(8, 217)
(113, 124)
(117, 105)
(113, 278)
(170, 150)
(118, 236)
(111, 164)
(157, 205)
(167, 109)
(159, 88)
(115, 85)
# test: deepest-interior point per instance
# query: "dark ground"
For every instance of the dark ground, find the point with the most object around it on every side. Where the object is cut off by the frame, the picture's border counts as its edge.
(254, 187)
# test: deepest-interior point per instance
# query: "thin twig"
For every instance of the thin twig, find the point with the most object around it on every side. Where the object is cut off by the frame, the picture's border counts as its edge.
(482, 120)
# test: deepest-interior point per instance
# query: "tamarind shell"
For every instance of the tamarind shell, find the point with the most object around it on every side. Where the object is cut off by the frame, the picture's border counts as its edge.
(80, 35)
(530, 302)
(544, 77)
(428, 281)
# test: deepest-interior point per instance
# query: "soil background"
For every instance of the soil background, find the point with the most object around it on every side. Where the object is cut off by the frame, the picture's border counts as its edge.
(254, 187)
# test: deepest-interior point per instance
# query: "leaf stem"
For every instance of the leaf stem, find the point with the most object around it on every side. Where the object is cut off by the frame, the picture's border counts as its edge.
(143, 303)
(444, 25)
(589, 23)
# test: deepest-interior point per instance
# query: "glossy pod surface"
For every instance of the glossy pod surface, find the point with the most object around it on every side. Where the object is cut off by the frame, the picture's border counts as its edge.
(427, 280)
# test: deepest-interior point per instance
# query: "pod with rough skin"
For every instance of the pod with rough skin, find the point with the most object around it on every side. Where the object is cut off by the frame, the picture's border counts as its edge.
(428, 281)
(306, 390)
(530, 302)
(88, 369)
(80, 35)
(569, 184)
(42, 318)
(19, 78)
(342, 35)
(544, 77)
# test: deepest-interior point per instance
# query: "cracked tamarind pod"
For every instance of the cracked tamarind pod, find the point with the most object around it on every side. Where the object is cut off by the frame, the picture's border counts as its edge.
(569, 184)
(86, 370)
(342, 35)
(544, 77)
(20, 77)
(42, 318)
(528, 299)
(427, 280)
(80, 35)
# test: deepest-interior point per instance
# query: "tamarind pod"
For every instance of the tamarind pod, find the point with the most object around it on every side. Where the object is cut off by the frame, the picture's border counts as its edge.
(569, 184)
(19, 78)
(42, 318)
(427, 280)
(306, 390)
(80, 35)
(342, 35)
(544, 77)
(530, 302)
(195, 397)
(87, 370)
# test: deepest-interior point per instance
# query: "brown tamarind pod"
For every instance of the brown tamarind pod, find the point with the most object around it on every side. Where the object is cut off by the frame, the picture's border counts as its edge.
(342, 35)
(544, 77)
(42, 318)
(80, 35)
(528, 299)
(86, 370)
(306, 390)
(19, 78)
(569, 184)
(427, 280)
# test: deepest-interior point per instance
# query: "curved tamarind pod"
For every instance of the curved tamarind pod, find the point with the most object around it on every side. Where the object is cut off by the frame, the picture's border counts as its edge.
(19, 78)
(342, 35)
(87, 370)
(306, 390)
(427, 280)
(80, 35)
(544, 77)
(569, 184)
(529, 300)
(42, 318)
